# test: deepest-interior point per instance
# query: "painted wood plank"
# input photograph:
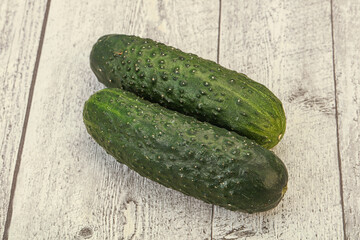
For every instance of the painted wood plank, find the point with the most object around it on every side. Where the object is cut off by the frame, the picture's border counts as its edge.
(347, 69)
(68, 188)
(287, 46)
(20, 28)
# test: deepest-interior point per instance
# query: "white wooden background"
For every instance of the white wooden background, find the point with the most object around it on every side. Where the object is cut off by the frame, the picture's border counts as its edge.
(56, 183)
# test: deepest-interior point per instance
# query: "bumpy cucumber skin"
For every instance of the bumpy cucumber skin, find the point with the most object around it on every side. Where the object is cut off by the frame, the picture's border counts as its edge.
(190, 85)
(182, 153)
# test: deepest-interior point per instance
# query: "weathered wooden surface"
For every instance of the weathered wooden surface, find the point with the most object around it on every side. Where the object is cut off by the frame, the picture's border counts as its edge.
(287, 46)
(68, 188)
(347, 71)
(20, 27)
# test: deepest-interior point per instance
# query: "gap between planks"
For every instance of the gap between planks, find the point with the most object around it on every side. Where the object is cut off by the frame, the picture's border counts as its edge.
(217, 60)
(26, 119)
(337, 119)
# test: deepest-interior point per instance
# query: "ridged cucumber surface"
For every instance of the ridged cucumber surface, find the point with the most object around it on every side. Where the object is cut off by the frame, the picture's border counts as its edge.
(180, 152)
(190, 85)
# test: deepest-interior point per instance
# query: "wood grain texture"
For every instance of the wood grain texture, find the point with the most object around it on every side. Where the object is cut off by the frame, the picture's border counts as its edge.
(20, 27)
(68, 187)
(287, 46)
(347, 70)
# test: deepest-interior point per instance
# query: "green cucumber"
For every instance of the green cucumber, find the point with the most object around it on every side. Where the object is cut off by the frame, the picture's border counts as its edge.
(190, 85)
(180, 152)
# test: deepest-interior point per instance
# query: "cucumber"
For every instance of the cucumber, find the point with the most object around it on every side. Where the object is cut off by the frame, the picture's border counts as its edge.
(190, 85)
(180, 152)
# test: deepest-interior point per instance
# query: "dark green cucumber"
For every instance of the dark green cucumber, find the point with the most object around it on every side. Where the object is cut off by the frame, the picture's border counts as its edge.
(185, 154)
(190, 85)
